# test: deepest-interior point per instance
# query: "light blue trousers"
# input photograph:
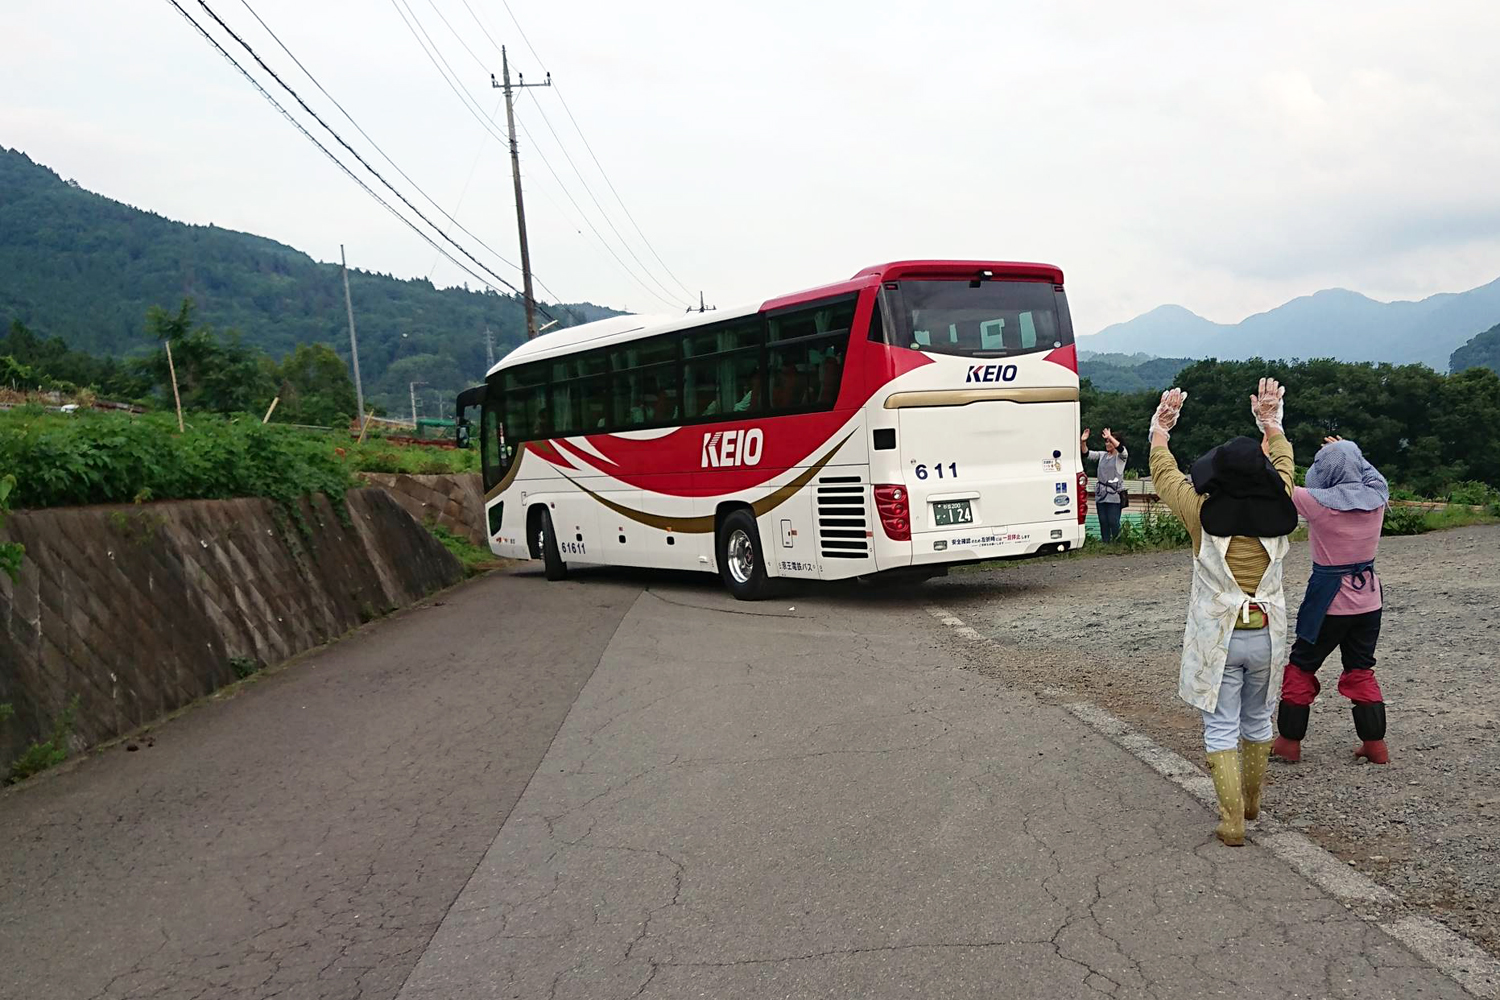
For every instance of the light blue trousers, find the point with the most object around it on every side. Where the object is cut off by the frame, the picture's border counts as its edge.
(1242, 710)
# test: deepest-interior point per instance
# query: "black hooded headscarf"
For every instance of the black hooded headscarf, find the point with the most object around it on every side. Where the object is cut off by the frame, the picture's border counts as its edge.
(1245, 495)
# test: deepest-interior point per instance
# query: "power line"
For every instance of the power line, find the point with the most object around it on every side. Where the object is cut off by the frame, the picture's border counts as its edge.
(577, 128)
(355, 153)
(586, 221)
(590, 192)
(445, 70)
(438, 11)
(308, 73)
(325, 150)
(464, 192)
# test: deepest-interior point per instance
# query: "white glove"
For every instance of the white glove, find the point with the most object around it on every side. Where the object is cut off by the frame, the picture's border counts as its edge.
(1267, 405)
(1167, 412)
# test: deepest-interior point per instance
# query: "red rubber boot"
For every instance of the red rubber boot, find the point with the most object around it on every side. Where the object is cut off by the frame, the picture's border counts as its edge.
(1288, 750)
(1373, 751)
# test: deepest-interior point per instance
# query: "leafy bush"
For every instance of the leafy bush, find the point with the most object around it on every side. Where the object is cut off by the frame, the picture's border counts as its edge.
(1405, 521)
(95, 457)
(1473, 494)
(475, 559)
(382, 456)
(48, 753)
(10, 552)
(1157, 528)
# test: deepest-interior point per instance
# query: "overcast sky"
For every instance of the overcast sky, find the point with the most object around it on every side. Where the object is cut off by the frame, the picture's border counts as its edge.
(1224, 157)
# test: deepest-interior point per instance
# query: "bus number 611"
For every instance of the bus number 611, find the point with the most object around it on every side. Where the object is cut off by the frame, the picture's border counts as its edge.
(952, 471)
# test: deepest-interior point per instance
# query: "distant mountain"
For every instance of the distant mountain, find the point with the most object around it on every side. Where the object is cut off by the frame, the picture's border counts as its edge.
(1481, 352)
(1129, 372)
(80, 266)
(1335, 323)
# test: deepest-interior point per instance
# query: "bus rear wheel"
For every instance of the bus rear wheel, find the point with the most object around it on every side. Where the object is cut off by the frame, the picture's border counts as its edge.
(553, 566)
(742, 563)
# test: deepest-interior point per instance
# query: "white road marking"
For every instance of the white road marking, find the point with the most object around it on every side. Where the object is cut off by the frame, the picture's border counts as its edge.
(1461, 960)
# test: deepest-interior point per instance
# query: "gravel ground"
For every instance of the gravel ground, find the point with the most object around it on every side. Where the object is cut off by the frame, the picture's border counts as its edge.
(1110, 628)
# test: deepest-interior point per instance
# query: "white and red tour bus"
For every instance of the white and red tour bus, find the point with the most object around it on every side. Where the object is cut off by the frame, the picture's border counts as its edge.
(919, 415)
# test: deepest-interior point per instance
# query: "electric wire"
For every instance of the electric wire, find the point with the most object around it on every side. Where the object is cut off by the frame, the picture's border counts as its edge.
(315, 82)
(328, 152)
(355, 153)
(579, 129)
(445, 69)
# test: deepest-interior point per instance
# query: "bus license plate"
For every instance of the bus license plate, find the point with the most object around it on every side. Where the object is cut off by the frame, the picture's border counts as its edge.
(946, 512)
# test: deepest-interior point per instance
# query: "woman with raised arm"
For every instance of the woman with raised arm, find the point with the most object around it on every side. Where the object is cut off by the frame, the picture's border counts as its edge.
(1107, 495)
(1238, 509)
(1344, 503)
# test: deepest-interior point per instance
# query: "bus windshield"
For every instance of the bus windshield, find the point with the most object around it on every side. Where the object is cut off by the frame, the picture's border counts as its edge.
(983, 319)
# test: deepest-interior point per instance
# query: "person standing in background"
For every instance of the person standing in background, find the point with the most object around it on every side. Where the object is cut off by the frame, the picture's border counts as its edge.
(1344, 503)
(1107, 495)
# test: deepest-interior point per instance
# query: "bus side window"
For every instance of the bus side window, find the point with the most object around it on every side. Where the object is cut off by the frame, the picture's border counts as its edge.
(805, 356)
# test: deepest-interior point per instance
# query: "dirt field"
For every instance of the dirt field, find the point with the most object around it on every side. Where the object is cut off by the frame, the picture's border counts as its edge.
(1110, 628)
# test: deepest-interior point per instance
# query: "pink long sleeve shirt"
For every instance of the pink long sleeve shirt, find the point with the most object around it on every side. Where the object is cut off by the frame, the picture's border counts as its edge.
(1341, 537)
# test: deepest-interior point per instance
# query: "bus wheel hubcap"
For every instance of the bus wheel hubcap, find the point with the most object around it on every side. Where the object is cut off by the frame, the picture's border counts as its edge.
(741, 556)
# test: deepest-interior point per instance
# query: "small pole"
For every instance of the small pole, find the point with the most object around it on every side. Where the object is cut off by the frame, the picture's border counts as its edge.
(365, 426)
(269, 410)
(413, 388)
(359, 389)
(176, 397)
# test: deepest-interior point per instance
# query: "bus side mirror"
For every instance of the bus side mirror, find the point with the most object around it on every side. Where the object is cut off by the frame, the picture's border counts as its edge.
(462, 432)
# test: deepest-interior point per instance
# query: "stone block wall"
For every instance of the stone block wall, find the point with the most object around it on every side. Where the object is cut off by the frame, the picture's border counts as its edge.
(455, 501)
(138, 610)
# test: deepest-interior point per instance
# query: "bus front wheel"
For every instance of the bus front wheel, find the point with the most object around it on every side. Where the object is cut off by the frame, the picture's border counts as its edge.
(741, 560)
(553, 566)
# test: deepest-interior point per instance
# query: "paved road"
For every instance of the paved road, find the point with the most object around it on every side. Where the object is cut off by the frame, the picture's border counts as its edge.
(304, 838)
(802, 798)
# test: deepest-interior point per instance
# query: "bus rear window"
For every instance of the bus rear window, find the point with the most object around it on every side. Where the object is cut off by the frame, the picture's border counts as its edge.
(986, 319)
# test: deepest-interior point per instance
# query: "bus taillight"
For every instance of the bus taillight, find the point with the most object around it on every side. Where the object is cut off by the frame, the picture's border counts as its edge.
(1083, 496)
(895, 512)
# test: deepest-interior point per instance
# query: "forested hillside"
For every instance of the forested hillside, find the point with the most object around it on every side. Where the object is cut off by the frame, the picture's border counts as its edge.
(1129, 372)
(1426, 431)
(80, 266)
(1481, 352)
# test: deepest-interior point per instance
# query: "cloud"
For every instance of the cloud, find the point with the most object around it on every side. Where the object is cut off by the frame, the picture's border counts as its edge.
(1224, 156)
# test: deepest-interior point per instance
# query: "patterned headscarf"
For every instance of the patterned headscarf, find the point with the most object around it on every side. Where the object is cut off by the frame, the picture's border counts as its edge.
(1341, 479)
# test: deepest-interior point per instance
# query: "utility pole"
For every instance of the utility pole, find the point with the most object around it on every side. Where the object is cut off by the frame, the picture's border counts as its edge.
(413, 388)
(489, 349)
(515, 173)
(359, 389)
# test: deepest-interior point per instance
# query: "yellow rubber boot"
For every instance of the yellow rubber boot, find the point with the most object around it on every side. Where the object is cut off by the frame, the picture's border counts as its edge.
(1225, 767)
(1253, 760)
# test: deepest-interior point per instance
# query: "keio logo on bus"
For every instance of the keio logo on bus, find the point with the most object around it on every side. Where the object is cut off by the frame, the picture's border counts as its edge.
(991, 373)
(722, 449)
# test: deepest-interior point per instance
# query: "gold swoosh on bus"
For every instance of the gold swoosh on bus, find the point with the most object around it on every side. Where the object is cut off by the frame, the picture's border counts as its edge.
(703, 524)
(963, 397)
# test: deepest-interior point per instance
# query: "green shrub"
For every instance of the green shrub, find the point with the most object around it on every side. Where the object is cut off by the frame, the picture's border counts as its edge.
(1164, 529)
(94, 457)
(243, 666)
(1405, 521)
(475, 559)
(1473, 494)
(10, 552)
(48, 753)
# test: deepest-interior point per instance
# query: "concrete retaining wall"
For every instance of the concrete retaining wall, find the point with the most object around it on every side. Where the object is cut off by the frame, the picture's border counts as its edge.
(138, 610)
(456, 501)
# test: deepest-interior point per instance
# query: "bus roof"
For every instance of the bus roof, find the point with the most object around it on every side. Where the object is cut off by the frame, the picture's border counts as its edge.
(622, 329)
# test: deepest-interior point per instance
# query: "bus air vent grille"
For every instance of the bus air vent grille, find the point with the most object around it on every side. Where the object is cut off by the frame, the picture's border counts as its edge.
(843, 525)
